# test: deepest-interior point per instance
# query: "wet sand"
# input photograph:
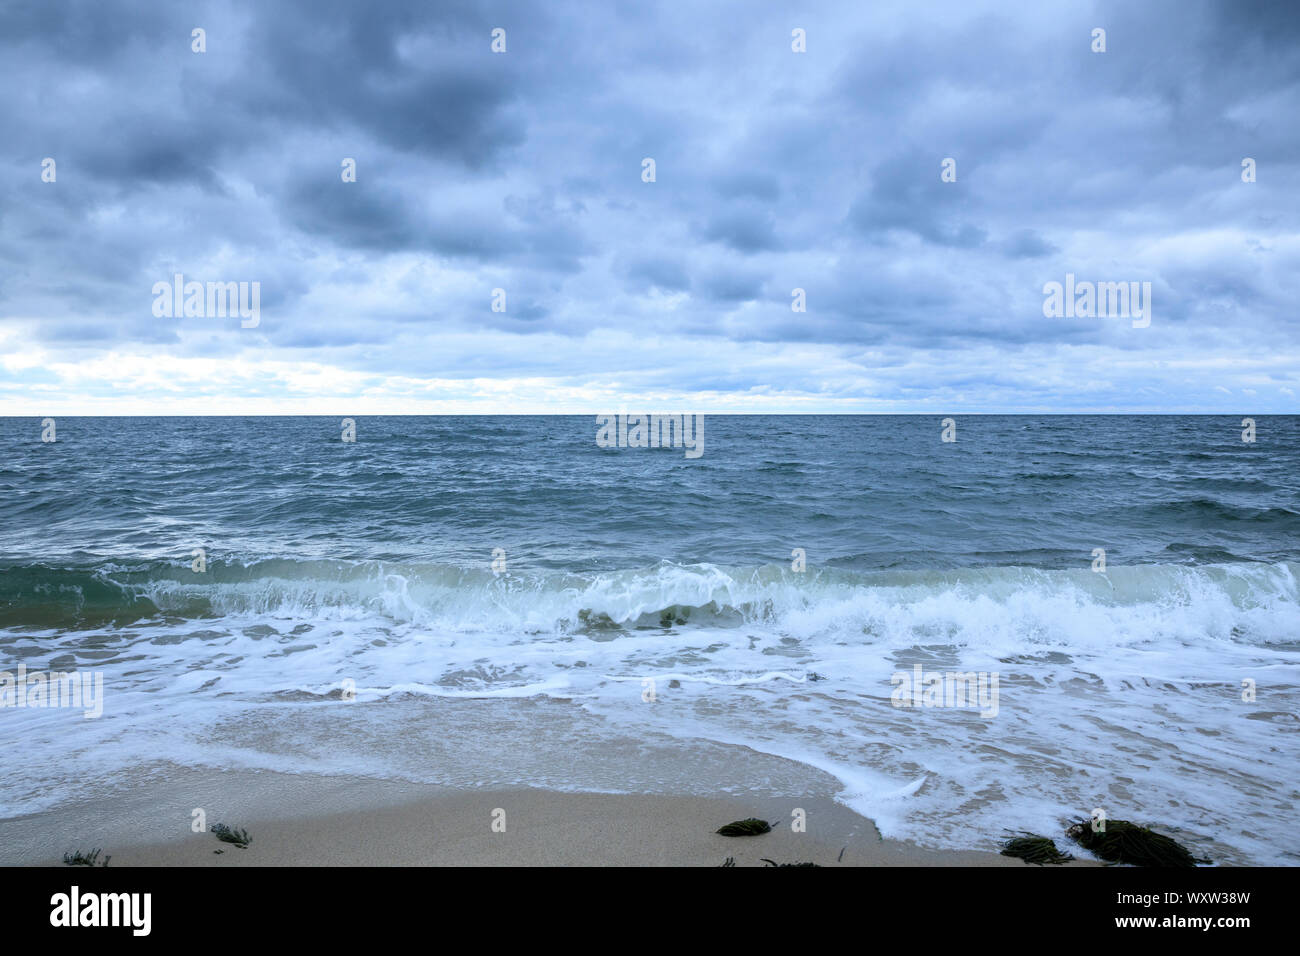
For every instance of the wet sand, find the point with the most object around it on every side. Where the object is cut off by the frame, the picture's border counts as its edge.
(302, 820)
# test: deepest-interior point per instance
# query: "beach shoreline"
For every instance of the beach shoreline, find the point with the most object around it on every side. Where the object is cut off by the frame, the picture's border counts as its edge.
(308, 820)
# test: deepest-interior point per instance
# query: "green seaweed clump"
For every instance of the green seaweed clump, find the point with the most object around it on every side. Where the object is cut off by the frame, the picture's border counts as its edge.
(225, 834)
(1124, 842)
(750, 827)
(78, 858)
(1034, 849)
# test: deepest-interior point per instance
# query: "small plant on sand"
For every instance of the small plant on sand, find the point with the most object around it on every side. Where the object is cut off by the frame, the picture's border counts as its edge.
(1034, 849)
(225, 834)
(774, 863)
(1124, 842)
(750, 827)
(85, 859)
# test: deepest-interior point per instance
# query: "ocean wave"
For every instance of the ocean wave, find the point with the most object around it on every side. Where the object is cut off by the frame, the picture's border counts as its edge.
(458, 599)
(248, 664)
(1213, 509)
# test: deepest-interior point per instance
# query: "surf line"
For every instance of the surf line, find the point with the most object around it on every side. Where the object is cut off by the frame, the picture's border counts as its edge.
(651, 431)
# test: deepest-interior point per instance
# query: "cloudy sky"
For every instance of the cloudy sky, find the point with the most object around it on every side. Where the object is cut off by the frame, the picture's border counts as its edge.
(523, 171)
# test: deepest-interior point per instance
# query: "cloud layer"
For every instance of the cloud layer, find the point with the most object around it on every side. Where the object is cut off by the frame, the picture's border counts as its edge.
(774, 171)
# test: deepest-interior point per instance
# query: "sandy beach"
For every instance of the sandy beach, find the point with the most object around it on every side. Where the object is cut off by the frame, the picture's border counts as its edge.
(301, 820)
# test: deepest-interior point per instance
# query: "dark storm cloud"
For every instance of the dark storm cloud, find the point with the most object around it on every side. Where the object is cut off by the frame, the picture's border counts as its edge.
(1027, 244)
(656, 272)
(899, 199)
(774, 171)
(747, 228)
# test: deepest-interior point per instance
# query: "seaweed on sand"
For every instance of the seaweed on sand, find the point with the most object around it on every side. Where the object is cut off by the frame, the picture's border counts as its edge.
(749, 827)
(77, 858)
(225, 834)
(1034, 849)
(731, 861)
(1124, 842)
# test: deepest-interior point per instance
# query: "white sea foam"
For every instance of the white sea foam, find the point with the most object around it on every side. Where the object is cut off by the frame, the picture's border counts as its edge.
(1121, 691)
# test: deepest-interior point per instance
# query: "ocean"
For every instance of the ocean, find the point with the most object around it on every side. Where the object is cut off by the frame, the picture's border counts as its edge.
(500, 600)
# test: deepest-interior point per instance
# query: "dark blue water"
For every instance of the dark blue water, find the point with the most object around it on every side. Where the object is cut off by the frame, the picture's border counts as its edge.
(865, 493)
